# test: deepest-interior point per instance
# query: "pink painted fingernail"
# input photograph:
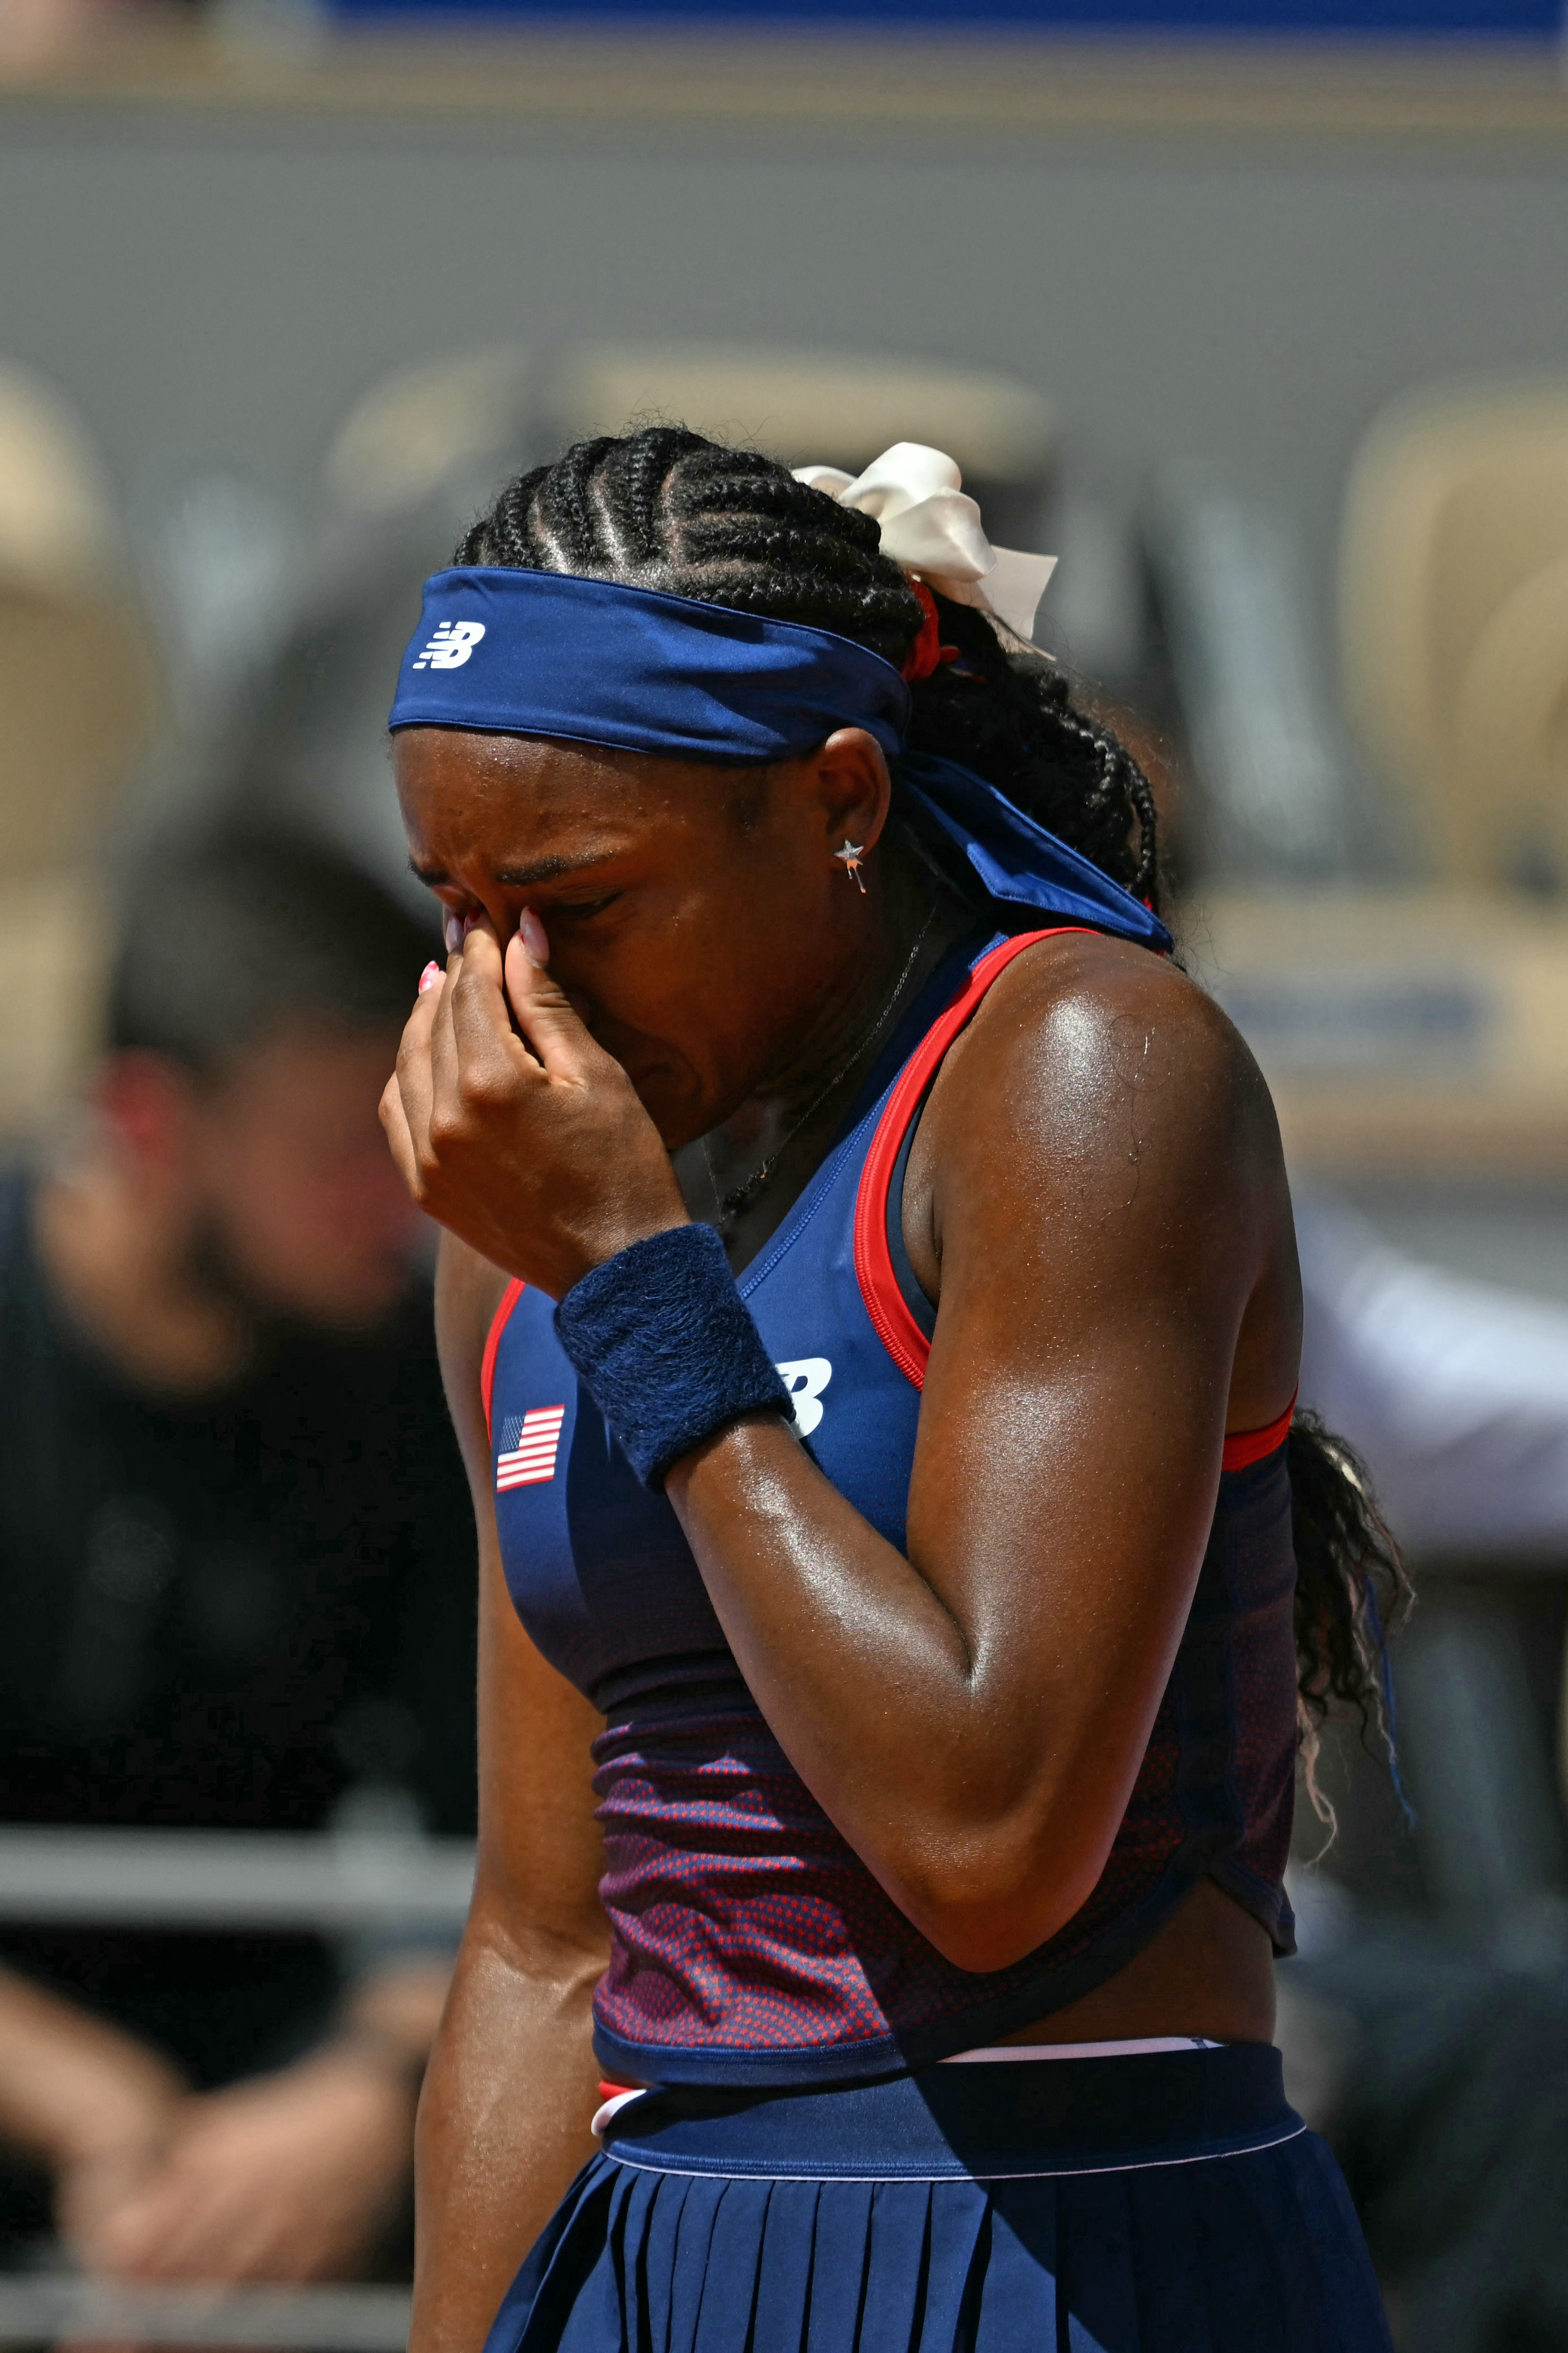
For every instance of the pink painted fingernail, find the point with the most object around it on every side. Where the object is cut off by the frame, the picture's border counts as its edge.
(430, 977)
(530, 932)
(454, 933)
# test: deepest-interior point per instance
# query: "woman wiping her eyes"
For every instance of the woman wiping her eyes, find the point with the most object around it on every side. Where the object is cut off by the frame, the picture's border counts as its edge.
(871, 1316)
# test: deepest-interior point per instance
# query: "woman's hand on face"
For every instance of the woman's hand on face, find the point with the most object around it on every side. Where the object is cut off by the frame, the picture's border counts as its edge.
(534, 1149)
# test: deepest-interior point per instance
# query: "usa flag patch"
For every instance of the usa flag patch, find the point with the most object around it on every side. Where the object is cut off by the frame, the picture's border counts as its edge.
(528, 1448)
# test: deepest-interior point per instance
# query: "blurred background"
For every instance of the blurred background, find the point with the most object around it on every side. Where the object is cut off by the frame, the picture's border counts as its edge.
(1256, 313)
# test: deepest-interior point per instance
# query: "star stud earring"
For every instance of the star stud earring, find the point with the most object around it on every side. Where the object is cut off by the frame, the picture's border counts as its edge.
(850, 855)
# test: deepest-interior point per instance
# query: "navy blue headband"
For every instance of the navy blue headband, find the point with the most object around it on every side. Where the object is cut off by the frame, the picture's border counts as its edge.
(591, 661)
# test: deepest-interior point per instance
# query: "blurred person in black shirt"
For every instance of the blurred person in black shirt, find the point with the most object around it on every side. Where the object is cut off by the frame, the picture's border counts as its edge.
(235, 1573)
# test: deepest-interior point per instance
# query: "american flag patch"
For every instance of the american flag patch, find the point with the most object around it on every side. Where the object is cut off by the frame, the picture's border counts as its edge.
(527, 1445)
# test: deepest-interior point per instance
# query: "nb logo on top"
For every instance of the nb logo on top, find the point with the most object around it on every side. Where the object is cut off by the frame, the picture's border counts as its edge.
(450, 647)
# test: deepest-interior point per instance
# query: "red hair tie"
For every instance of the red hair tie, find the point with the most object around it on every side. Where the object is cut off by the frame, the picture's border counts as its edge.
(928, 652)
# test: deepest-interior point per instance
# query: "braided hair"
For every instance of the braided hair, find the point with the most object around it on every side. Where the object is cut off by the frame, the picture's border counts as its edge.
(666, 509)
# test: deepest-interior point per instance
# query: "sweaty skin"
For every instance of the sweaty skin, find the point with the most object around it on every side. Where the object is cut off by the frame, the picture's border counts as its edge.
(1097, 1198)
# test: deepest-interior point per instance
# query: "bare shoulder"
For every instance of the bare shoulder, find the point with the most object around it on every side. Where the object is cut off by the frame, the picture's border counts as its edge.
(1082, 1028)
(1097, 1078)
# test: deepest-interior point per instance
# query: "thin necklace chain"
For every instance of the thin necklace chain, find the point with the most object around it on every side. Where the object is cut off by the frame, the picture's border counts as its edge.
(731, 1204)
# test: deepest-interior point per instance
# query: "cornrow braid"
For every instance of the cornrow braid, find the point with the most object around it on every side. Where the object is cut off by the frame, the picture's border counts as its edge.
(666, 509)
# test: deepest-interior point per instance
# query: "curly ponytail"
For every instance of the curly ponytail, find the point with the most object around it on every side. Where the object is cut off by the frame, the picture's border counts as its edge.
(1350, 1590)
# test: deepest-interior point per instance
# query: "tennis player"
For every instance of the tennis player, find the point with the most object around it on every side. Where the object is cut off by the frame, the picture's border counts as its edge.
(872, 1317)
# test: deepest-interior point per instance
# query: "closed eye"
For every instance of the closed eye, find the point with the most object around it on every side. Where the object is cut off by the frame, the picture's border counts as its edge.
(581, 907)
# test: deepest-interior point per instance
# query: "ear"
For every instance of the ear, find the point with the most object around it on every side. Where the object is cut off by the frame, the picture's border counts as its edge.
(848, 780)
(147, 1103)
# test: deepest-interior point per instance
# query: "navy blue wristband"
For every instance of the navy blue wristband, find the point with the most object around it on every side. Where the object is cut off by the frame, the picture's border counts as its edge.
(668, 1348)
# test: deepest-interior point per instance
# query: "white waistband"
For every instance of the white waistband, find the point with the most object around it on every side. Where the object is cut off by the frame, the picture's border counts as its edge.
(613, 2107)
(1138, 2050)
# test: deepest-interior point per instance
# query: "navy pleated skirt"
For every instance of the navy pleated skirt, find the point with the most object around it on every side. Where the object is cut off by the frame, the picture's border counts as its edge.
(1168, 2203)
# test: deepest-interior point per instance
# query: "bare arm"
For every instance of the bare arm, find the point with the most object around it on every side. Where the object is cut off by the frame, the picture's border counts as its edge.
(89, 2102)
(503, 2120)
(73, 2087)
(1103, 1208)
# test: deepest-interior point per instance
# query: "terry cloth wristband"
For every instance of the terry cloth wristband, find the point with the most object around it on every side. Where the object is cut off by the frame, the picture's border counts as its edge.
(667, 1347)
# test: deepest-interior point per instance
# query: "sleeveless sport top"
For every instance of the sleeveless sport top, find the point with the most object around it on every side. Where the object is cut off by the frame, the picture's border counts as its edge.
(750, 1944)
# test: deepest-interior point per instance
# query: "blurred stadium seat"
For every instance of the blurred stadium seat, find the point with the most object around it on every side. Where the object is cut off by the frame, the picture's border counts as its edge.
(1279, 792)
(1404, 1030)
(1415, 1028)
(421, 429)
(1454, 616)
(80, 688)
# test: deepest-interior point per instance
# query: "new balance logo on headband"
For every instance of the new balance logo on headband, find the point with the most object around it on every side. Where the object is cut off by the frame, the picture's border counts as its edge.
(452, 644)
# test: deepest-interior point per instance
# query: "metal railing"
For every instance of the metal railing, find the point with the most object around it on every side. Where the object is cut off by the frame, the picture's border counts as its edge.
(233, 1879)
(44, 2308)
(329, 1883)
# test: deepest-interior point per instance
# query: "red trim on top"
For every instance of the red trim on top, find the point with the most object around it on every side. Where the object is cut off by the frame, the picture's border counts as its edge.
(884, 1302)
(508, 1300)
(1250, 1445)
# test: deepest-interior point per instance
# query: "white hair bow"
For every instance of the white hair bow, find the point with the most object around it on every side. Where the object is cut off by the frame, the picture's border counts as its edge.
(931, 528)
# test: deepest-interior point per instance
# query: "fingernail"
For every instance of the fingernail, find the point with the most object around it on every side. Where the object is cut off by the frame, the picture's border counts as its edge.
(454, 933)
(430, 977)
(470, 922)
(530, 932)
